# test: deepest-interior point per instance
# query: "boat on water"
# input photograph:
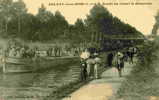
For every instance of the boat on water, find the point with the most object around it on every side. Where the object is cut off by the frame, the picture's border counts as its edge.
(17, 56)
(21, 65)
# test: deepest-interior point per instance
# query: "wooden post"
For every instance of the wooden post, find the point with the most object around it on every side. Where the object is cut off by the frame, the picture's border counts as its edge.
(4, 64)
(4, 61)
(18, 24)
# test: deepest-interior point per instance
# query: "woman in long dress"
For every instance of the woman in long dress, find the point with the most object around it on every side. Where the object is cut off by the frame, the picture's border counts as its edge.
(96, 65)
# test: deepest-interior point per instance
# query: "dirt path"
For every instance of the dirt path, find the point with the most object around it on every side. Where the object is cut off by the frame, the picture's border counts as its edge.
(101, 89)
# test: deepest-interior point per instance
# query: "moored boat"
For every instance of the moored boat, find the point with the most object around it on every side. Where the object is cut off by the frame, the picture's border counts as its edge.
(19, 65)
(17, 56)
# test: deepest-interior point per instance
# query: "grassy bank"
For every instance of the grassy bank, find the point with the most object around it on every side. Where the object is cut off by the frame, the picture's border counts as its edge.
(142, 83)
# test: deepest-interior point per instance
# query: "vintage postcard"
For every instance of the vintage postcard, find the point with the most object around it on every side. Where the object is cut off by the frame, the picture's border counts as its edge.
(79, 49)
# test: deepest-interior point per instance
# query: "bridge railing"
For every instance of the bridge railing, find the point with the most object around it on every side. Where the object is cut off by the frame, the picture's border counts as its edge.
(124, 37)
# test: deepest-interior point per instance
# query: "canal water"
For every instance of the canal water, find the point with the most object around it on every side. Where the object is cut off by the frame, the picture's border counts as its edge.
(35, 86)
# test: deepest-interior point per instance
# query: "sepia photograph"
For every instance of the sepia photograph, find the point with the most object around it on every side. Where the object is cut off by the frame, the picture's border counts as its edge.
(79, 50)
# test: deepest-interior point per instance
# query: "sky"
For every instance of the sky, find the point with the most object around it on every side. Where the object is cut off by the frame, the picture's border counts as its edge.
(139, 16)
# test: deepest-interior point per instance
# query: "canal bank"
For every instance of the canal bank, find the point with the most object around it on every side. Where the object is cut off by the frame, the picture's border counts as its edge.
(101, 89)
(53, 83)
(37, 85)
(67, 89)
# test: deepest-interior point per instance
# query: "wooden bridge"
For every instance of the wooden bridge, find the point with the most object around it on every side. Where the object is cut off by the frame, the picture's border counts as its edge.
(112, 42)
(124, 37)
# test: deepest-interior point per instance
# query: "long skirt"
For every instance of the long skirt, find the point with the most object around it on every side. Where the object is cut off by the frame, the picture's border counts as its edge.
(96, 70)
(90, 63)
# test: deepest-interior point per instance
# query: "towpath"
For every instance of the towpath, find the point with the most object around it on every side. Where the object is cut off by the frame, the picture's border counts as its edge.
(103, 88)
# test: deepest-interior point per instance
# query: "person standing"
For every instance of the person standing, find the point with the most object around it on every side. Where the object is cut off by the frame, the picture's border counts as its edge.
(131, 55)
(109, 59)
(55, 50)
(96, 65)
(83, 67)
(120, 63)
(86, 55)
(12, 52)
(22, 52)
(18, 55)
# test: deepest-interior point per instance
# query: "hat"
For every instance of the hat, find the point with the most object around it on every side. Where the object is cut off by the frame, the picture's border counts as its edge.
(85, 55)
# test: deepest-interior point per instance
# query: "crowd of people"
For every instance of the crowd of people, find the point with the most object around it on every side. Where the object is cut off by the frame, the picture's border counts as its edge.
(20, 52)
(24, 51)
(14, 48)
(89, 61)
(92, 61)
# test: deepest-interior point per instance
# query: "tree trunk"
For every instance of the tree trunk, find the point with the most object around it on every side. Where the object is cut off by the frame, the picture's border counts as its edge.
(6, 26)
(97, 37)
(101, 39)
(92, 37)
(19, 27)
(1, 24)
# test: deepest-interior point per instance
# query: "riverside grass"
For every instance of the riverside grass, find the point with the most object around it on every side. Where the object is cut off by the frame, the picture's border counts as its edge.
(142, 83)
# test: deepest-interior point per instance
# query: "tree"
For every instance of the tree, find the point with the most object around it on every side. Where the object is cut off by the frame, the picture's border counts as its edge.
(29, 27)
(6, 12)
(1, 18)
(20, 10)
(101, 20)
(81, 32)
(97, 22)
(61, 24)
(44, 17)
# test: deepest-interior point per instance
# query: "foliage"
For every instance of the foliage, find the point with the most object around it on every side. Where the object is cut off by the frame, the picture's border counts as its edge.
(47, 26)
(141, 84)
(101, 20)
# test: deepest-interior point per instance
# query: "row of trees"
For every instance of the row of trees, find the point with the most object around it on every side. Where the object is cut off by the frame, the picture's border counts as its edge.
(45, 25)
